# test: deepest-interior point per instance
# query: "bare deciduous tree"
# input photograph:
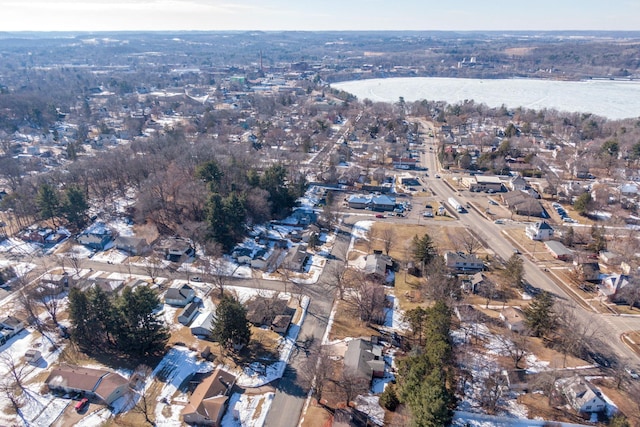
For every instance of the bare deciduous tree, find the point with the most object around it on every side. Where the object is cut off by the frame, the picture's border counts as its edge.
(141, 394)
(336, 278)
(317, 369)
(388, 239)
(48, 296)
(492, 389)
(367, 301)
(352, 384)
(153, 266)
(514, 345)
(468, 242)
(219, 275)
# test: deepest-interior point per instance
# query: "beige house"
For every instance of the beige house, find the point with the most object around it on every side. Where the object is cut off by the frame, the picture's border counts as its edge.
(209, 400)
(97, 384)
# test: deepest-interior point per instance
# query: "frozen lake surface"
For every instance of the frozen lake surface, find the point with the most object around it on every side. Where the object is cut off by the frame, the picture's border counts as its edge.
(613, 99)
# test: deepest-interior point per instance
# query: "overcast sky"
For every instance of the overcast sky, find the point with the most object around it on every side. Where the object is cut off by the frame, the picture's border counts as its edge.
(105, 15)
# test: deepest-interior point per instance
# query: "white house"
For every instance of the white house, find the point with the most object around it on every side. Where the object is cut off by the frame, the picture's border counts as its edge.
(518, 183)
(188, 313)
(202, 324)
(583, 396)
(179, 297)
(539, 231)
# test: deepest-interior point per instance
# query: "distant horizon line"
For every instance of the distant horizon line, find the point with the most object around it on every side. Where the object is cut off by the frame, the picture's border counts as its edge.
(316, 31)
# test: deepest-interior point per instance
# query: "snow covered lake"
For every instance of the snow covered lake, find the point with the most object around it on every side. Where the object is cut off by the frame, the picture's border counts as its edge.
(613, 99)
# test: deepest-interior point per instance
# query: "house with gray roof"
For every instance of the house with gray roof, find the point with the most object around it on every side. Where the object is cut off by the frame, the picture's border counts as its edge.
(364, 359)
(358, 202)
(131, 245)
(188, 313)
(459, 261)
(539, 231)
(383, 203)
(180, 296)
(583, 396)
(378, 265)
(202, 324)
(558, 250)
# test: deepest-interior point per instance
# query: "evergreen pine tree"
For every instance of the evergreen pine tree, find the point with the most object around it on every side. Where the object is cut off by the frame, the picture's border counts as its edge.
(230, 327)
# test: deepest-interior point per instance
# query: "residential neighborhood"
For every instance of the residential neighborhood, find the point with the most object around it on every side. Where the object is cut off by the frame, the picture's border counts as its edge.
(188, 242)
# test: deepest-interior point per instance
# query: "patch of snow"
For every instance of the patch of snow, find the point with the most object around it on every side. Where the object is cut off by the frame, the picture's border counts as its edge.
(113, 256)
(257, 374)
(16, 246)
(370, 405)
(242, 410)
(394, 317)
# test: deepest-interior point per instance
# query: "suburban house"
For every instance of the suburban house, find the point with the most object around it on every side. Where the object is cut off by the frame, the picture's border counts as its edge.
(558, 250)
(243, 255)
(587, 271)
(539, 231)
(179, 297)
(262, 311)
(209, 400)
(513, 319)
(296, 258)
(518, 183)
(188, 313)
(96, 384)
(610, 285)
(583, 396)
(9, 327)
(202, 324)
(364, 359)
(475, 282)
(96, 237)
(107, 285)
(459, 261)
(175, 249)
(131, 245)
(378, 265)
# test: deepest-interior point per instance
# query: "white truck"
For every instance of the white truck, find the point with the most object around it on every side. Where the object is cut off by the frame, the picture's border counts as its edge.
(456, 205)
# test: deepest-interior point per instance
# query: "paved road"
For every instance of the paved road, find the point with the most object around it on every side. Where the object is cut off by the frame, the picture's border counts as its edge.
(290, 395)
(609, 327)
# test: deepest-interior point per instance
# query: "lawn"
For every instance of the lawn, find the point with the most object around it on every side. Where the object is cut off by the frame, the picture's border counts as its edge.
(346, 325)
(316, 416)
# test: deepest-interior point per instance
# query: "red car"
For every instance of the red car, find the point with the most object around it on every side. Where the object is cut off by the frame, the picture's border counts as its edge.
(82, 404)
(379, 216)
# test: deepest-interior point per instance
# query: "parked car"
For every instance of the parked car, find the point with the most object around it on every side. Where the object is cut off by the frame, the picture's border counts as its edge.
(499, 221)
(632, 373)
(379, 216)
(600, 360)
(196, 279)
(83, 403)
(437, 176)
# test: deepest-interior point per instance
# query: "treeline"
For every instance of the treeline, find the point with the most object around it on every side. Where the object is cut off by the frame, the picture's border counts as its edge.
(126, 324)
